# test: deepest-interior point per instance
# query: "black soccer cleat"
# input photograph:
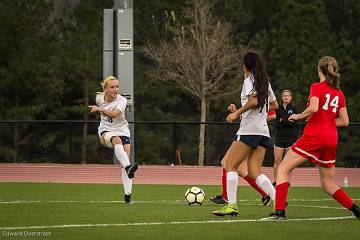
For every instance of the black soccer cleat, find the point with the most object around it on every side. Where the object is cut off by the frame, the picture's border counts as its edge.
(131, 169)
(266, 200)
(278, 215)
(218, 200)
(356, 210)
(127, 199)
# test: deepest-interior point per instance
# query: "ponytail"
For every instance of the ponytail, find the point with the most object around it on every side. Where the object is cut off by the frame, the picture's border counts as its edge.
(329, 67)
(256, 64)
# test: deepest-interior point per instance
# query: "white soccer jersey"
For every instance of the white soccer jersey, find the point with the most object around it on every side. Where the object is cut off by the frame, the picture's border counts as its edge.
(117, 125)
(253, 122)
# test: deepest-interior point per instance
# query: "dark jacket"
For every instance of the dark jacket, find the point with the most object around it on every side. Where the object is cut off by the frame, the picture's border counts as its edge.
(284, 127)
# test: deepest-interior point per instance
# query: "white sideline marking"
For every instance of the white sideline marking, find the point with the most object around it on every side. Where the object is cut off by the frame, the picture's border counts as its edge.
(146, 202)
(304, 206)
(174, 223)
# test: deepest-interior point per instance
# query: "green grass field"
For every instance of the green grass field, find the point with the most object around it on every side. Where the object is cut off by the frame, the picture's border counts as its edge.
(96, 211)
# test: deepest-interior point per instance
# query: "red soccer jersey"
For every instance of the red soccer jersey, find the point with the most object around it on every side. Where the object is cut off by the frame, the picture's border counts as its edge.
(271, 113)
(322, 124)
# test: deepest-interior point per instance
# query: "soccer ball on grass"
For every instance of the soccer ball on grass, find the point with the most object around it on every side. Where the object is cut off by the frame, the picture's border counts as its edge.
(195, 195)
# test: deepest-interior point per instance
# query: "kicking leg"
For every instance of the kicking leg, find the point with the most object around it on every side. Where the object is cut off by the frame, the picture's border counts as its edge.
(235, 155)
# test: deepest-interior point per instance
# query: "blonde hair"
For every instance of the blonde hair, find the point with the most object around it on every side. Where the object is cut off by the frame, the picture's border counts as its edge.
(330, 68)
(104, 82)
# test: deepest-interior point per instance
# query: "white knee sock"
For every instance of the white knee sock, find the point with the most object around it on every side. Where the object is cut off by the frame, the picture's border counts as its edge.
(232, 180)
(127, 182)
(121, 155)
(265, 184)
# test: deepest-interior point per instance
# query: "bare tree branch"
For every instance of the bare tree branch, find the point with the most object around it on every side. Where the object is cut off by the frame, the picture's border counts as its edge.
(199, 56)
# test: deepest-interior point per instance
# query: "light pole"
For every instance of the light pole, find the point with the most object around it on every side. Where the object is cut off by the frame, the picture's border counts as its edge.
(118, 54)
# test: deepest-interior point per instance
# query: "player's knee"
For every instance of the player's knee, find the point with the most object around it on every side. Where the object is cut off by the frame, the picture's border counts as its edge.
(231, 167)
(116, 140)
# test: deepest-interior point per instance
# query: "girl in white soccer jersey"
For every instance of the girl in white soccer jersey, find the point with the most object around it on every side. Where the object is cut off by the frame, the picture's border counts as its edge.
(253, 136)
(114, 131)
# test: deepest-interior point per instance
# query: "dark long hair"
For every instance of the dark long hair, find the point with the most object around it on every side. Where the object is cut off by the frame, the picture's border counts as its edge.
(256, 65)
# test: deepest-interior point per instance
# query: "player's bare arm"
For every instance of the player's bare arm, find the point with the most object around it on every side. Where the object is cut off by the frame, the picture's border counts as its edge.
(110, 113)
(310, 110)
(343, 119)
(232, 108)
(250, 104)
(273, 105)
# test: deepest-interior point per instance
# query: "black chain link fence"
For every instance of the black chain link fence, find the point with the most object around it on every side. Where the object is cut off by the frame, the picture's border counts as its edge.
(65, 141)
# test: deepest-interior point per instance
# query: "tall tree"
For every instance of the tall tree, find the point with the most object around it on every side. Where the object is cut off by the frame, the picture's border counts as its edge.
(298, 37)
(26, 80)
(80, 39)
(199, 56)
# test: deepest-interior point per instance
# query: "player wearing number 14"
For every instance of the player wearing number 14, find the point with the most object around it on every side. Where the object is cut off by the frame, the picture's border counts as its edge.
(326, 110)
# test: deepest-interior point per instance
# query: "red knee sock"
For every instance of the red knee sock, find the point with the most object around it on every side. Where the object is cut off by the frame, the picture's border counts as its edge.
(223, 182)
(344, 199)
(281, 194)
(252, 183)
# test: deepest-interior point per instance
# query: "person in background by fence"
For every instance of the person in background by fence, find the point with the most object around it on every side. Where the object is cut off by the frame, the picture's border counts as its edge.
(326, 110)
(253, 136)
(113, 129)
(286, 131)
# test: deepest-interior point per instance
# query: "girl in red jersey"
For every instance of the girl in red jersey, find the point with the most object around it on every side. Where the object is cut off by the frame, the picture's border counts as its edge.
(326, 110)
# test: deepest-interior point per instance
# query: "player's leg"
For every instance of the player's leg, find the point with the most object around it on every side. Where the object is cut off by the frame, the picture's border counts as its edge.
(288, 164)
(223, 178)
(235, 155)
(119, 151)
(278, 155)
(243, 172)
(127, 182)
(329, 185)
(119, 142)
(222, 198)
(255, 161)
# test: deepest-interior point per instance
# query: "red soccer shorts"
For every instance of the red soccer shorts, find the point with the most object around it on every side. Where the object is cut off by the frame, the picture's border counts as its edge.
(316, 151)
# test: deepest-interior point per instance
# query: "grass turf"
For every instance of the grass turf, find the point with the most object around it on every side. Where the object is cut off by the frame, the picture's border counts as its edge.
(160, 212)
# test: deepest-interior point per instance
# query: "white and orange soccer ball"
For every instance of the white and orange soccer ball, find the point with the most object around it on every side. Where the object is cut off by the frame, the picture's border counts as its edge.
(195, 195)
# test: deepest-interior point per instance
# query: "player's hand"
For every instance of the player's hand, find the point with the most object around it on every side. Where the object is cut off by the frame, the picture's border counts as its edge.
(294, 117)
(232, 108)
(94, 108)
(232, 117)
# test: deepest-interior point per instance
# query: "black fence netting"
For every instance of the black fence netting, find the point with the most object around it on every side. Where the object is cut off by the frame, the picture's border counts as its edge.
(68, 141)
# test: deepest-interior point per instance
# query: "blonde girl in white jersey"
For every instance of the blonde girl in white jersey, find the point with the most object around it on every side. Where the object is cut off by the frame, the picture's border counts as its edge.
(113, 129)
(253, 137)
